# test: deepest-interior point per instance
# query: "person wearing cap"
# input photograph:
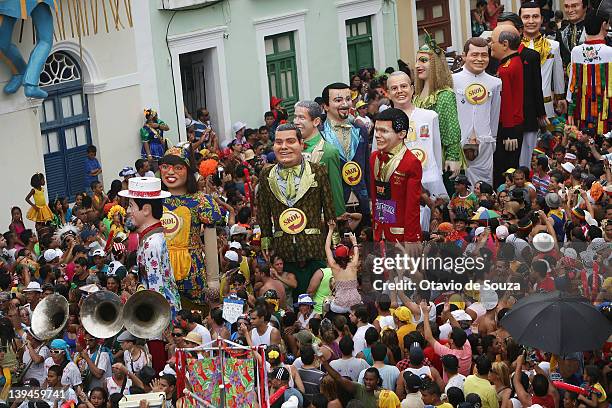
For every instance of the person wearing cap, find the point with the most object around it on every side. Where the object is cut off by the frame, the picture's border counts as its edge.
(305, 310)
(402, 318)
(362, 117)
(351, 141)
(520, 240)
(121, 380)
(60, 355)
(556, 215)
(290, 199)
(33, 294)
(478, 97)
(145, 212)
(423, 134)
(279, 390)
(585, 70)
(135, 356)
(416, 365)
(35, 353)
(186, 211)
(463, 200)
(395, 177)
(94, 362)
(152, 136)
(412, 385)
(317, 150)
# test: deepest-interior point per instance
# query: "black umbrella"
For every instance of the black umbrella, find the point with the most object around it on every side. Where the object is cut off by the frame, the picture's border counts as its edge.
(558, 323)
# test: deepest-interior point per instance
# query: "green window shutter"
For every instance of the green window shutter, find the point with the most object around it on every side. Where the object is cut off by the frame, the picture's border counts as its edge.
(359, 44)
(282, 69)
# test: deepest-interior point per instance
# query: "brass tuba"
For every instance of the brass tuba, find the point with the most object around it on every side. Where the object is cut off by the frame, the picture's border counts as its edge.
(101, 314)
(146, 314)
(49, 317)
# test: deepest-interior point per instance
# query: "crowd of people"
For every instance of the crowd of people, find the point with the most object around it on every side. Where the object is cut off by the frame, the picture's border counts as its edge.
(506, 162)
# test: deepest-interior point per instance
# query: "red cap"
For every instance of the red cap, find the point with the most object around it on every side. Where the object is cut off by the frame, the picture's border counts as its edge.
(275, 101)
(341, 251)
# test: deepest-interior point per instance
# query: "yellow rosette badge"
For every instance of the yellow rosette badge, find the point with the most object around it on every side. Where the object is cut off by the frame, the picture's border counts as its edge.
(292, 221)
(476, 94)
(351, 173)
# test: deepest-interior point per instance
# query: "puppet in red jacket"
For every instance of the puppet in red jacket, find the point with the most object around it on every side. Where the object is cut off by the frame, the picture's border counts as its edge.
(395, 181)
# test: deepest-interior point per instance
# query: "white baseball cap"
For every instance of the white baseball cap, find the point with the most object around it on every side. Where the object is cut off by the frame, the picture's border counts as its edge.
(98, 252)
(569, 167)
(235, 245)
(231, 256)
(51, 254)
(502, 232)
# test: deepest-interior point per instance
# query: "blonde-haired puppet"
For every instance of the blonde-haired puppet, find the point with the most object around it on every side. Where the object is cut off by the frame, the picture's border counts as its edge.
(434, 91)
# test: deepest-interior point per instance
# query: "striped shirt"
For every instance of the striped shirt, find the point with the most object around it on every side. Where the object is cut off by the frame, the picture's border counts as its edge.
(541, 184)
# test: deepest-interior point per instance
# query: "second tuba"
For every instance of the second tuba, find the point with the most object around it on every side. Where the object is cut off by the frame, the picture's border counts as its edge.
(101, 314)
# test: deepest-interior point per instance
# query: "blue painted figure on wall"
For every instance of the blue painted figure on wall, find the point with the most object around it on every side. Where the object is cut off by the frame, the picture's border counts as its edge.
(22, 73)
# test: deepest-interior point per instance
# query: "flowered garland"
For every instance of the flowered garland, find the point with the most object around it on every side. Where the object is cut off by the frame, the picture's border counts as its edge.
(115, 209)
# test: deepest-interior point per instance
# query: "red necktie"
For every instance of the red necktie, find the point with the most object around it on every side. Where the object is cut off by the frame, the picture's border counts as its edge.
(383, 158)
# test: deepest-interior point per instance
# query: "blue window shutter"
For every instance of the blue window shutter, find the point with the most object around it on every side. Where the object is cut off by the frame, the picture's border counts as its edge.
(75, 160)
(55, 176)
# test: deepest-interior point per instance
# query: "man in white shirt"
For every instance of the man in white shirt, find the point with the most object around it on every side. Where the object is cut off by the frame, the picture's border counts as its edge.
(94, 363)
(423, 138)
(34, 358)
(359, 316)
(347, 365)
(478, 97)
(451, 369)
(194, 326)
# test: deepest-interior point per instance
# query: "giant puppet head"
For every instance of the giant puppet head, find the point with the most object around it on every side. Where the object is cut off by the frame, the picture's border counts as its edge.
(390, 129)
(431, 67)
(176, 172)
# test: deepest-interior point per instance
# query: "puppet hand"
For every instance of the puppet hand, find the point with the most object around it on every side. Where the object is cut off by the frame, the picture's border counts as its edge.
(511, 145)
(453, 166)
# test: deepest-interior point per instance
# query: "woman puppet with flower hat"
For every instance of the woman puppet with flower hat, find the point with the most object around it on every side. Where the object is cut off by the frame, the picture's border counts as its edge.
(434, 91)
(185, 212)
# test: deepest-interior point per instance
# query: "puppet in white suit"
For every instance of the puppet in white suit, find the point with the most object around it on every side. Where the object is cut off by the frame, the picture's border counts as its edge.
(478, 97)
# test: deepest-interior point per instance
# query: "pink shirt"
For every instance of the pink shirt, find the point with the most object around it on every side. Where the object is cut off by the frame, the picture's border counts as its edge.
(464, 356)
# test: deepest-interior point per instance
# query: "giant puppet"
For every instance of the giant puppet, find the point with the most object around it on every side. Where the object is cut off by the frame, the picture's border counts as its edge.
(186, 211)
(292, 196)
(395, 175)
(434, 91)
(26, 74)
(351, 140)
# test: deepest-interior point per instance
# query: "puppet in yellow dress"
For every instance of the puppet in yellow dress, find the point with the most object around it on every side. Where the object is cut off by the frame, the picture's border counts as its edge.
(40, 212)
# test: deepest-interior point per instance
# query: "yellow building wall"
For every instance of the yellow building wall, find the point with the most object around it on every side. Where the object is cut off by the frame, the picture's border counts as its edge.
(406, 22)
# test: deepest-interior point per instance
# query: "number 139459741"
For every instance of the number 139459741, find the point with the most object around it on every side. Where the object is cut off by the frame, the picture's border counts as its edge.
(34, 393)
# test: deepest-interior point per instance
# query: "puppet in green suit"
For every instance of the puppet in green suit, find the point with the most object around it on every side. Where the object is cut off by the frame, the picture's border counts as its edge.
(292, 196)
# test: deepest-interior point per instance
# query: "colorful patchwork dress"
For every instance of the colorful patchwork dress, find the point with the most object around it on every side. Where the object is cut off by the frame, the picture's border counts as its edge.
(184, 216)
